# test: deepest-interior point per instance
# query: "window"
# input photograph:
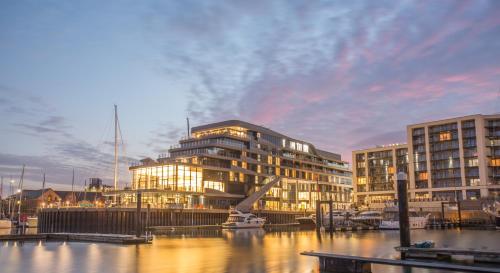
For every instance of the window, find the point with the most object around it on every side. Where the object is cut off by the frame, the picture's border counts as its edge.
(361, 180)
(283, 142)
(495, 162)
(292, 145)
(444, 136)
(422, 176)
(306, 148)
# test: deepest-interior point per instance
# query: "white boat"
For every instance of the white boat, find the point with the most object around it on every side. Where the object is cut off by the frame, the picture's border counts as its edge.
(5, 223)
(238, 219)
(307, 220)
(371, 217)
(391, 219)
(338, 218)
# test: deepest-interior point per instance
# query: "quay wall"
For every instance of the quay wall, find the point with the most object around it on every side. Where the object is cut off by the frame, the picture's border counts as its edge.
(122, 220)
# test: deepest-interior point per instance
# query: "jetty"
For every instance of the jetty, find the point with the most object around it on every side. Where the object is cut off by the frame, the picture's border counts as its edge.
(78, 237)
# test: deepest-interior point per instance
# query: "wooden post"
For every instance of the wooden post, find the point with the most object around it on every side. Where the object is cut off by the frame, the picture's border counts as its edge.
(404, 225)
(330, 219)
(459, 208)
(138, 215)
(318, 214)
(442, 212)
(148, 217)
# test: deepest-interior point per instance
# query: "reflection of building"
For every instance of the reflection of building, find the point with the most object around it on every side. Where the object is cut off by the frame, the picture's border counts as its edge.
(221, 163)
(373, 172)
(450, 159)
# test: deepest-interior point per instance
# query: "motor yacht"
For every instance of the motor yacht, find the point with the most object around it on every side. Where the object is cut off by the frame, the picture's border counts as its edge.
(307, 220)
(238, 219)
(371, 218)
(391, 219)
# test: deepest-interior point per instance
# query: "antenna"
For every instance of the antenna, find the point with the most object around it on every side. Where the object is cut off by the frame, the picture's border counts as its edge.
(188, 129)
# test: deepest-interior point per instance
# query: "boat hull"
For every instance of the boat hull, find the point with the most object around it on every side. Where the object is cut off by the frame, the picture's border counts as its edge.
(242, 225)
(415, 223)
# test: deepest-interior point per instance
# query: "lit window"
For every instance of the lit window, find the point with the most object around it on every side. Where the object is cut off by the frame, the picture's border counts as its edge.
(283, 142)
(444, 136)
(361, 180)
(299, 146)
(306, 148)
(495, 162)
(422, 176)
(292, 145)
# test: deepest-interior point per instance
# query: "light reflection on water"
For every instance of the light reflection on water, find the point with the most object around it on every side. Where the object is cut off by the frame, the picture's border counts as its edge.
(224, 251)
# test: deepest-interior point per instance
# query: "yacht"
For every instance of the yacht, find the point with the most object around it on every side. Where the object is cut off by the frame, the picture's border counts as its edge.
(370, 217)
(391, 219)
(307, 220)
(338, 217)
(238, 219)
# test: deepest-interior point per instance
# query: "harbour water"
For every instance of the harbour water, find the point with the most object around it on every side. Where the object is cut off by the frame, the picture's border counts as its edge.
(255, 250)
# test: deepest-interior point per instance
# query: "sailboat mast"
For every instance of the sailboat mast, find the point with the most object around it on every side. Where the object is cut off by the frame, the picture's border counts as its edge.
(43, 189)
(73, 186)
(20, 192)
(116, 153)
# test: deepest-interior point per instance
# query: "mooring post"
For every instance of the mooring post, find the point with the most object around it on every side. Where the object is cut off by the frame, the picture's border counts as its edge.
(442, 212)
(459, 208)
(318, 214)
(148, 215)
(138, 215)
(330, 218)
(404, 225)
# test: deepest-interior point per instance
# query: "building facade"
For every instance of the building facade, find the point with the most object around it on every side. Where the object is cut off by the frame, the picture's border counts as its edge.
(451, 159)
(373, 173)
(222, 163)
(455, 158)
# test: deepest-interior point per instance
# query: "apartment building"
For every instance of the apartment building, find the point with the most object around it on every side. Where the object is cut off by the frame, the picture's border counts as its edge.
(451, 159)
(374, 172)
(221, 163)
(455, 158)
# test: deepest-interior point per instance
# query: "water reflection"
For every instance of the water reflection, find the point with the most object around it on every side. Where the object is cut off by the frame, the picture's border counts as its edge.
(252, 250)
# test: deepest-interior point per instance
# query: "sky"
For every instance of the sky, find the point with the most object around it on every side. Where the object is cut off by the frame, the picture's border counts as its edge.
(342, 75)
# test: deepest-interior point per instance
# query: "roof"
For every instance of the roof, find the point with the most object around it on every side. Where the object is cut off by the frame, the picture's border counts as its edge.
(261, 129)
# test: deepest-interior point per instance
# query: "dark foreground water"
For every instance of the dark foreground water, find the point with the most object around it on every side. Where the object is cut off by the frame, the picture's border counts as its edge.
(225, 251)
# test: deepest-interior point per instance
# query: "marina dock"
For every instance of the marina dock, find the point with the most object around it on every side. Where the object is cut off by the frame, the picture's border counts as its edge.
(78, 237)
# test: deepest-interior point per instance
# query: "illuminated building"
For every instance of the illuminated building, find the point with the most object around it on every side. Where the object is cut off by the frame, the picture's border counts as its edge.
(222, 163)
(457, 158)
(373, 172)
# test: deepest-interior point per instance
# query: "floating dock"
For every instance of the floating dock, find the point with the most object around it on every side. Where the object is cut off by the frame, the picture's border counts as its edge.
(336, 263)
(78, 237)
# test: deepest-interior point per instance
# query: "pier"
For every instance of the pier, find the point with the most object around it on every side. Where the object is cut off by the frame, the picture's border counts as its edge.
(123, 220)
(78, 237)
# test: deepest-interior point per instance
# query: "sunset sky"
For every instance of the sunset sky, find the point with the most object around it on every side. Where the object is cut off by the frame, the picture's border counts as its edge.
(342, 75)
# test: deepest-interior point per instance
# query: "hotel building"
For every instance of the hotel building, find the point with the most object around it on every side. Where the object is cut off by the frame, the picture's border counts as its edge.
(220, 164)
(449, 159)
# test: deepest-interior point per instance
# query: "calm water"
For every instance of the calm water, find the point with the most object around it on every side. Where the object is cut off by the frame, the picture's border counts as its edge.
(224, 251)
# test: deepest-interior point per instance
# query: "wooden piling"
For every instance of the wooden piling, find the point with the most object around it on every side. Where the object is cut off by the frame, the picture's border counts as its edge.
(404, 225)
